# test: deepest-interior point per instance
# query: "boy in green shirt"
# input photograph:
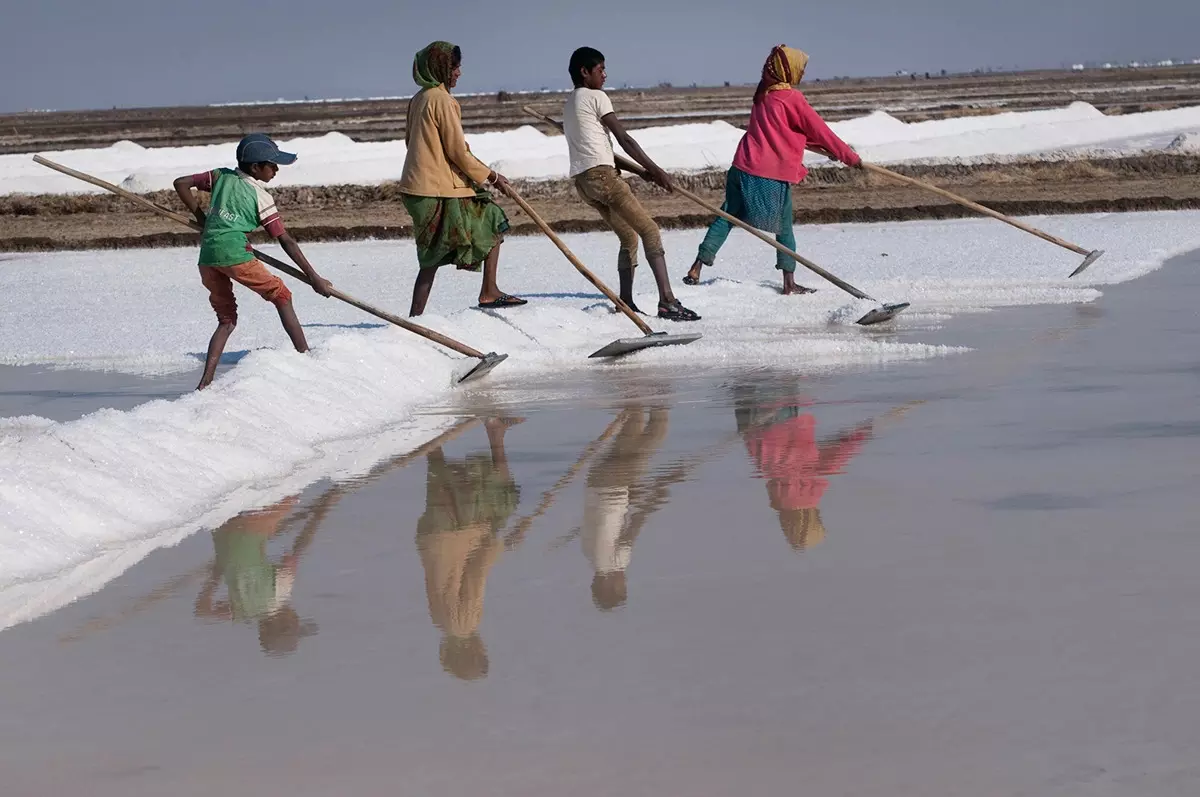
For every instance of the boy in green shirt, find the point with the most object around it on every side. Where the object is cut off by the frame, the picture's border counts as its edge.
(239, 205)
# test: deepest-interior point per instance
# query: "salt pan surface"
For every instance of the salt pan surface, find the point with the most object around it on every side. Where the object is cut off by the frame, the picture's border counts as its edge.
(82, 501)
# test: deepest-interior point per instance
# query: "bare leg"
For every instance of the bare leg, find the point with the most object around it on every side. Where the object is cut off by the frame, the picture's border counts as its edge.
(421, 290)
(784, 263)
(216, 346)
(489, 291)
(496, 428)
(694, 271)
(291, 325)
(658, 265)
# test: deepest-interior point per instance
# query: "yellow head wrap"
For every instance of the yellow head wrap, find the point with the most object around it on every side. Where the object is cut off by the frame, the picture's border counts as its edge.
(784, 68)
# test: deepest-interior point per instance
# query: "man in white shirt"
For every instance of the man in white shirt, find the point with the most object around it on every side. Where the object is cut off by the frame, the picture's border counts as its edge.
(588, 118)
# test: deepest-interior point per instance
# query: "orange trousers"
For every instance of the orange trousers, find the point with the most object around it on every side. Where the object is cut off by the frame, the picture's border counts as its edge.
(254, 275)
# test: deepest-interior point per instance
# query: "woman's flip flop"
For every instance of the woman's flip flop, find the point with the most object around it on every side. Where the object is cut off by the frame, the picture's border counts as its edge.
(504, 301)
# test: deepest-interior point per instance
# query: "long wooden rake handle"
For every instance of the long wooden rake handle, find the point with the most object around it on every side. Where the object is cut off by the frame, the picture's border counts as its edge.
(974, 206)
(417, 329)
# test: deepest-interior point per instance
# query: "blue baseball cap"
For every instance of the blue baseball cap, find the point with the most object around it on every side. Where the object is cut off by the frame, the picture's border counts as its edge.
(259, 148)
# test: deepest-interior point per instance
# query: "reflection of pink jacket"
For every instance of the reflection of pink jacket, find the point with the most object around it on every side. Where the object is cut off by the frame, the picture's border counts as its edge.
(788, 457)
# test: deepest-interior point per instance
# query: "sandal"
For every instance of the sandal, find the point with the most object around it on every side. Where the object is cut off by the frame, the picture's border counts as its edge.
(674, 311)
(504, 301)
(690, 280)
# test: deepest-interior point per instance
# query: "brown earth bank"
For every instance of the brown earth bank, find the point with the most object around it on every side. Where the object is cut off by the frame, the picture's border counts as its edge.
(829, 195)
(908, 97)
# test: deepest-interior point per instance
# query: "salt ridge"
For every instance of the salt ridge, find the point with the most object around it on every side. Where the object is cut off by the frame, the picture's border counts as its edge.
(528, 153)
(84, 500)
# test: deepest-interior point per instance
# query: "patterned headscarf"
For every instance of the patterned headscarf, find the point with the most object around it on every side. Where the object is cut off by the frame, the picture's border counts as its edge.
(802, 528)
(784, 68)
(434, 65)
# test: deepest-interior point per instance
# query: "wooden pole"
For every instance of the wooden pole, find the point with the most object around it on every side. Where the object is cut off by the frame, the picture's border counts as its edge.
(975, 206)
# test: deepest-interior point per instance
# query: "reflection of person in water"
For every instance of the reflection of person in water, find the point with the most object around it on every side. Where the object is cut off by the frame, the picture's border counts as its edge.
(616, 504)
(259, 590)
(781, 440)
(242, 560)
(468, 502)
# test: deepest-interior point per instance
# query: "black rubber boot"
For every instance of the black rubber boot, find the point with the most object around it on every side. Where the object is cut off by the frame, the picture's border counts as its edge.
(626, 275)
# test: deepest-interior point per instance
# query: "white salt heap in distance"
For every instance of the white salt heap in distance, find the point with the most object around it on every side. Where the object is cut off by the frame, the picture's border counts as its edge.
(1078, 130)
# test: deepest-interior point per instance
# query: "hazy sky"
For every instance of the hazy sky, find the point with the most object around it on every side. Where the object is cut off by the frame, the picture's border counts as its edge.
(62, 54)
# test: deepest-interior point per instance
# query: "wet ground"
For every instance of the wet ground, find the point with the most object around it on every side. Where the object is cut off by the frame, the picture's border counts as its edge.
(67, 394)
(966, 576)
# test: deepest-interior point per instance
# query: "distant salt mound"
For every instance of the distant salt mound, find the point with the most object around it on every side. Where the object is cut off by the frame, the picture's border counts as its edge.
(525, 135)
(140, 183)
(332, 141)
(1184, 144)
(527, 152)
(875, 126)
(126, 147)
(532, 168)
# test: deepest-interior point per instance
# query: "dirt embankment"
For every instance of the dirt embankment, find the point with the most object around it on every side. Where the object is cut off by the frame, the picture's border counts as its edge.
(348, 212)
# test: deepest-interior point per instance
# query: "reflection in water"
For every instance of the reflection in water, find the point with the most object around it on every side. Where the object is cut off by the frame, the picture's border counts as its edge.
(617, 503)
(781, 441)
(258, 589)
(468, 502)
(780, 437)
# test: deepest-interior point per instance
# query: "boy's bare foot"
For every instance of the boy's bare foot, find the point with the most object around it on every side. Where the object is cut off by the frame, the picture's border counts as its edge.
(693, 275)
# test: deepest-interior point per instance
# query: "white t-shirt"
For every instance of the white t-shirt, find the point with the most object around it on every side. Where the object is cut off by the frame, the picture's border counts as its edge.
(587, 137)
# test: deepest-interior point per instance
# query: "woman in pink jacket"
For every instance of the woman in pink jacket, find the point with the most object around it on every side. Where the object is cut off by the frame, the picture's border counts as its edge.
(769, 160)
